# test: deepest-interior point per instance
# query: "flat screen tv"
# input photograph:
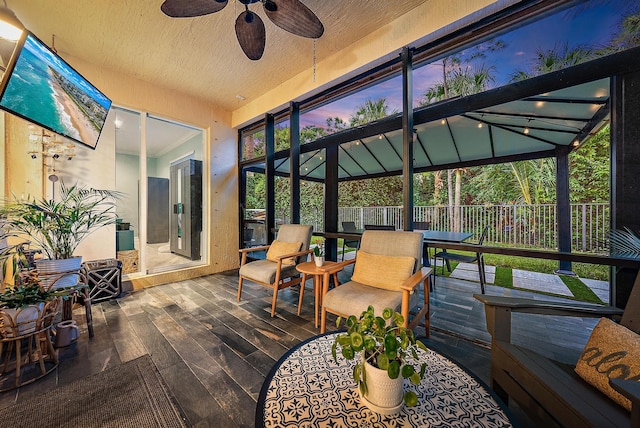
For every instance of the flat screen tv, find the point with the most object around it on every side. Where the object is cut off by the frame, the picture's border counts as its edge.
(42, 88)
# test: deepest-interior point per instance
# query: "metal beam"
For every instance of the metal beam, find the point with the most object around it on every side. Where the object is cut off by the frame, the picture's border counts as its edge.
(294, 164)
(270, 191)
(563, 207)
(331, 201)
(625, 186)
(407, 137)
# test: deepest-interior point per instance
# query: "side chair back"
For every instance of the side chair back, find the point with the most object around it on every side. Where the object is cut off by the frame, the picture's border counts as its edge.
(387, 274)
(278, 270)
(349, 227)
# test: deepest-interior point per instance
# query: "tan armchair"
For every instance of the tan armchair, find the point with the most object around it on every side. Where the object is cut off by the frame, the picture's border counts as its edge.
(278, 271)
(387, 273)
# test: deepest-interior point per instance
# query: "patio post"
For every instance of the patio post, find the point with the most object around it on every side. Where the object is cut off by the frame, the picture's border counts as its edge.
(564, 208)
(331, 201)
(625, 152)
(269, 169)
(294, 159)
(407, 135)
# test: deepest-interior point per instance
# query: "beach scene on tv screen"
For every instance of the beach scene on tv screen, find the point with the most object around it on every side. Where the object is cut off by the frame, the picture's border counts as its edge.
(44, 89)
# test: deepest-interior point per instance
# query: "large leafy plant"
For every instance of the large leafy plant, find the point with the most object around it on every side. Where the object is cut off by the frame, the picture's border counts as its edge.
(624, 243)
(58, 226)
(385, 344)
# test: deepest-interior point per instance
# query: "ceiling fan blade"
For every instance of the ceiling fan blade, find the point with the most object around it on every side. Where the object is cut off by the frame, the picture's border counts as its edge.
(294, 17)
(191, 8)
(251, 34)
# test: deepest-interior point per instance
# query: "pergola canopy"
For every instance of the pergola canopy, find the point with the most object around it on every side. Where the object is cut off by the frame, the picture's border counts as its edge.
(531, 127)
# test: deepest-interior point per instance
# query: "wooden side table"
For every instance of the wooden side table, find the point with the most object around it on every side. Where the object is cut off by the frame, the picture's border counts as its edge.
(318, 273)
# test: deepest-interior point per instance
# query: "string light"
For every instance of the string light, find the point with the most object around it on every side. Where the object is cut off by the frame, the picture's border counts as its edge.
(443, 122)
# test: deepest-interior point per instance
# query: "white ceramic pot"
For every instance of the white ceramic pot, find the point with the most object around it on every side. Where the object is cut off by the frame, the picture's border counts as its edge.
(384, 395)
(319, 261)
(18, 322)
(54, 274)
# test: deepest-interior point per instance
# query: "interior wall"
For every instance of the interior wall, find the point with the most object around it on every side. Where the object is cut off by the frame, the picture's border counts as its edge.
(193, 144)
(23, 176)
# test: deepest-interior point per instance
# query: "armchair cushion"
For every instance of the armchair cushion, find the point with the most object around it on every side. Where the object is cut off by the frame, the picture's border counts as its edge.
(265, 271)
(613, 351)
(279, 248)
(352, 298)
(381, 271)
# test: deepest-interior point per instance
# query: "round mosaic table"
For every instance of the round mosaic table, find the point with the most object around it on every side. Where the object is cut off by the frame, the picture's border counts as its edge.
(306, 388)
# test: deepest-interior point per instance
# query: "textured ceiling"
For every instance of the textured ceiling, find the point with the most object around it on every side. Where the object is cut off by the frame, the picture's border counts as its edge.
(198, 56)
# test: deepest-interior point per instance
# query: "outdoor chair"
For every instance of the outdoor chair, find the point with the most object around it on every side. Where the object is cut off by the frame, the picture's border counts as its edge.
(421, 225)
(349, 227)
(386, 274)
(247, 237)
(551, 393)
(278, 270)
(462, 258)
(379, 227)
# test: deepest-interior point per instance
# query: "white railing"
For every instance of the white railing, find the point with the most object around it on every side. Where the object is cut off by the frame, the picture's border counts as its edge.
(518, 225)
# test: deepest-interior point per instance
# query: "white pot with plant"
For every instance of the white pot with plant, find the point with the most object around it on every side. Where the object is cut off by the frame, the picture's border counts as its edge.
(22, 308)
(389, 354)
(58, 226)
(318, 253)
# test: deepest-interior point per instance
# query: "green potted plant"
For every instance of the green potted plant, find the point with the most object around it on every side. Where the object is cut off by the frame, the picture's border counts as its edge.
(58, 226)
(389, 354)
(318, 252)
(24, 306)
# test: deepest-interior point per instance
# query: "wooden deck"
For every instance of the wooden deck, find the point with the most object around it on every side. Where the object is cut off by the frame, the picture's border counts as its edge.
(214, 352)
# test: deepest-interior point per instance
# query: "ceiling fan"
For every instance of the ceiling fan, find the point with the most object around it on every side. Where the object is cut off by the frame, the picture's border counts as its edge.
(290, 15)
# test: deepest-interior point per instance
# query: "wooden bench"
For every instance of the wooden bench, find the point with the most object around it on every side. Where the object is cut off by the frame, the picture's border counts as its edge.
(550, 393)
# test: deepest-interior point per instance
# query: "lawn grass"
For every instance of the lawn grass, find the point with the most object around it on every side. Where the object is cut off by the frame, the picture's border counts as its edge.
(580, 290)
(504, 277)
(583, 270)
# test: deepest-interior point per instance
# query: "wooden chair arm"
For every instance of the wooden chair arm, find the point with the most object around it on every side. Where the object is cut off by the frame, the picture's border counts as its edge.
(498, 311)
(414, 280)
(335, 268)
(250, 249)
(631, 390)
(549, 308)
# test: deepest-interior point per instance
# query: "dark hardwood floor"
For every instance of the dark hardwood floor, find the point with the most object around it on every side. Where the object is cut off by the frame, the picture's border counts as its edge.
(214, 352)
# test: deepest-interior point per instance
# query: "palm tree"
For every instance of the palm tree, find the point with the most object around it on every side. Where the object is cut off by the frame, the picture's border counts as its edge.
(369, 111)
(460, 78)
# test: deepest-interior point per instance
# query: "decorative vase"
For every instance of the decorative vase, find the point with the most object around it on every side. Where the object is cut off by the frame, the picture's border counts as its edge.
(384, 395)
(54, 274)
(18, 322)
(319, 261)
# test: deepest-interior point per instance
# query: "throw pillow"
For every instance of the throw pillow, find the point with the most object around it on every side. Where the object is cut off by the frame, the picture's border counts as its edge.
(613, 351)
(386, 272)
(279, 248)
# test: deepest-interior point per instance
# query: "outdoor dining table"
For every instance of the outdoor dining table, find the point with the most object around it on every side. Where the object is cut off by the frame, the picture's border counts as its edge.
(306, 387)
(434, 237)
